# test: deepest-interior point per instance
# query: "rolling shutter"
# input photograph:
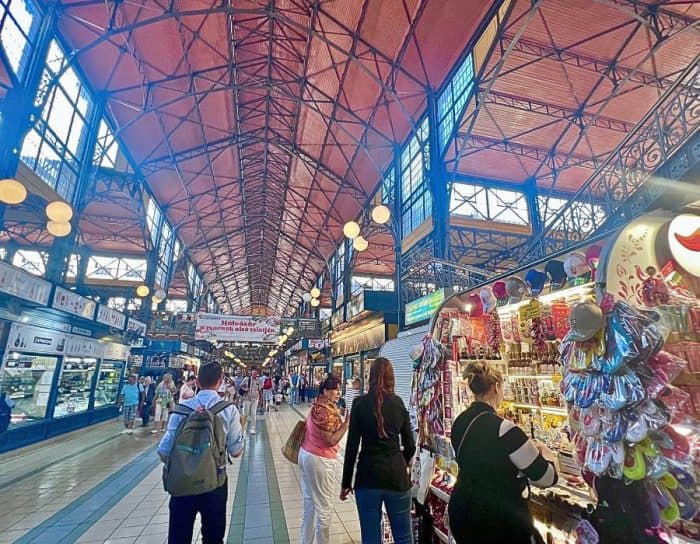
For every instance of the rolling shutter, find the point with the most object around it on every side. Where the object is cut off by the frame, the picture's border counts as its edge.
(397, 351)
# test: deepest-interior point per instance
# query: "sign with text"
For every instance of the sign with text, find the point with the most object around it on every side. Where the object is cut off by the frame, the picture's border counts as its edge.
(423, 308)
(19, 283)
(112, 318)
(73, 303)
(230, 328)
(136, 327)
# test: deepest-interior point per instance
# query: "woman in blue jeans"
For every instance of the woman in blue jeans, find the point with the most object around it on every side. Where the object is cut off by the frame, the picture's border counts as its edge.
(379, 422)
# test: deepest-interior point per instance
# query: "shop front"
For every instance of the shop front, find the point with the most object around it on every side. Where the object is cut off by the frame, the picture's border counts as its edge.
(171, 356)
(56, 372)
(608, 332)
(355, 347)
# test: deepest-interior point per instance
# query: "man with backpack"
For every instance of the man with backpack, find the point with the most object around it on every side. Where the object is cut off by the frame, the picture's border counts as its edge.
(203, 433)
(267, 387)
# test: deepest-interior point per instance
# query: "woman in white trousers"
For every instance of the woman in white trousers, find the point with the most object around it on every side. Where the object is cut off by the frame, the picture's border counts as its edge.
(317, 463)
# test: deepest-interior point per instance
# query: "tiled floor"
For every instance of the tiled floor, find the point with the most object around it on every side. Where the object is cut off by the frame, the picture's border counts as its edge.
(99, 486)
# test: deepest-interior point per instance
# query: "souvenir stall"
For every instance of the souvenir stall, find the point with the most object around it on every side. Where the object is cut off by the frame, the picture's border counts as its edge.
(599, 350)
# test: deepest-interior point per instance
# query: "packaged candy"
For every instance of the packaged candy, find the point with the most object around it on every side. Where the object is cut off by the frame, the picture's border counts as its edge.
(674, 399)
(669, 364)
(591, 385)
(569, 386)
(655, 463)
(682, 473)
(637, 428)
(673, 445)
(617, 460)
(635, 466)
(654, 414)
(586, 533)
(612, 425)
(575, 419)
(623, 390)
(598, 457)
(590, 421)
(659, 500)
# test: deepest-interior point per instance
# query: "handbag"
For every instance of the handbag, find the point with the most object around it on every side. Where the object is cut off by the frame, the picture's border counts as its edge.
(291, 447)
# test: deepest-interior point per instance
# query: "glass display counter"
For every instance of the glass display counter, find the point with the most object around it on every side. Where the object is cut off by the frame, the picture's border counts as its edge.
(107, 389)
(27, 380)
(75, 386)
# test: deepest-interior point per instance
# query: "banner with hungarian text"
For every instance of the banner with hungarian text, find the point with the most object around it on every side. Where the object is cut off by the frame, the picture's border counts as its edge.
(237, 328)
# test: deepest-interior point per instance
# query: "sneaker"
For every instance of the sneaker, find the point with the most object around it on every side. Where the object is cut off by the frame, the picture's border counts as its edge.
(125, 431)
(162, 430)
(130, 431)
(154, 431)
(252, 432)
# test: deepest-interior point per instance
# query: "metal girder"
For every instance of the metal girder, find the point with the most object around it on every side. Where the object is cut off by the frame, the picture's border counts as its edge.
(581, 117)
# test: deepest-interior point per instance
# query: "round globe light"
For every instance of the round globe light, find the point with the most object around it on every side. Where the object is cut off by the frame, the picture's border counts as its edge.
(315, 292)
(315, 302)
(306, 297)
(160, 295)
(381, 214)
(12, 192)
(58, 229)
(289, 331)
(59, 211)
(142, 291)
(351, 230)
(360, 244)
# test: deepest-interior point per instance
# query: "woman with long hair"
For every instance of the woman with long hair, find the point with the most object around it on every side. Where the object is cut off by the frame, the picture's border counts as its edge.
(496, 461)
(317, 462)
(379, 422)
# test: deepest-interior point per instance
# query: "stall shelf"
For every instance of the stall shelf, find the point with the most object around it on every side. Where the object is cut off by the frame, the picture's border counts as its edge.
(520, 331)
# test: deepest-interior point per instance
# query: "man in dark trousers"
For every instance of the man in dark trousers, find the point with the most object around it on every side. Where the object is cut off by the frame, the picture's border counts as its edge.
(211, 506)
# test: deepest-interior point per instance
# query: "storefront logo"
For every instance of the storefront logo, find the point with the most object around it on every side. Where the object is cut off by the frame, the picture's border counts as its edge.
(684, 242)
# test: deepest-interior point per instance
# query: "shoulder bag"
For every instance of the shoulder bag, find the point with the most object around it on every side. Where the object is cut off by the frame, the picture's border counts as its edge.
(296, 438)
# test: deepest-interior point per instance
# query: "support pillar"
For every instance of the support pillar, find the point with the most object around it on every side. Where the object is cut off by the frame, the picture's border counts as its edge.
(438, 185)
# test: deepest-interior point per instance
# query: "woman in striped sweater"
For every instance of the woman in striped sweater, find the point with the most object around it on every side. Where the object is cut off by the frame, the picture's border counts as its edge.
(496, 461)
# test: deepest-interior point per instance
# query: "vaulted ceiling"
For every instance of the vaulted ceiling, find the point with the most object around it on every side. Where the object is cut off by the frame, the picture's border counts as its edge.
(261, 127)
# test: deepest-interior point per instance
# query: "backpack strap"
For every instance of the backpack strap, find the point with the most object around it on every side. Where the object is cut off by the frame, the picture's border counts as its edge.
(182, 410)
(220, 406)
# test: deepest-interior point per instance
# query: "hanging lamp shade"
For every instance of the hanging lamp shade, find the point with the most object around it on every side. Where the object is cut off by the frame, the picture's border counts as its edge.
(315, 292)
(351, 230)
(315, 302)
(360, 244)
(58, 229)
(306, 297)
(59, 211)
(381, 214)
(12, 192)
(159, 296)
(142, 291)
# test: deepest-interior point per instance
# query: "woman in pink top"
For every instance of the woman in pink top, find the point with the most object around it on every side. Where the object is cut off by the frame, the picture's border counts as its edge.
(317, 462)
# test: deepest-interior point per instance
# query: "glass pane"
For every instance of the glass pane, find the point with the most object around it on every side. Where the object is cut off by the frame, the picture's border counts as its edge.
(27, 380)
(75, 386)
(107, 390)
(15, 45)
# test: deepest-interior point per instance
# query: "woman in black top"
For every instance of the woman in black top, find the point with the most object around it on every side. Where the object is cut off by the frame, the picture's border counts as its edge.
(496, 460)
(380, 421)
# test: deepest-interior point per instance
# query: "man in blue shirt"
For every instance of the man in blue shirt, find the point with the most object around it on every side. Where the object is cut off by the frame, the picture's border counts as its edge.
(212, 505)
(294, 383)
(130, 403)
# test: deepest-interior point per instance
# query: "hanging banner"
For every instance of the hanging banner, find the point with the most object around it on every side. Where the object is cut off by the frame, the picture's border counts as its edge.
(73, 303)
(237, 328)
(136, 327)
(19, 283)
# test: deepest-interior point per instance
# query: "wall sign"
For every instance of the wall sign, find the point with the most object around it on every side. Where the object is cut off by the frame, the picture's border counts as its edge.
(112, 318)
(81, 331)
(73, 303)
(29, 339)
(21, 284)
(423, 308)
(228, 328)
(136, 327)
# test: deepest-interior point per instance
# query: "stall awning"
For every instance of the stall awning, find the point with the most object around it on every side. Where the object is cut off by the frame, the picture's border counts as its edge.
(397, 351)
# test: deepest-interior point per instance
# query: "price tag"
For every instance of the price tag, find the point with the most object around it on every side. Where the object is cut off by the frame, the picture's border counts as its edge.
(530, 310)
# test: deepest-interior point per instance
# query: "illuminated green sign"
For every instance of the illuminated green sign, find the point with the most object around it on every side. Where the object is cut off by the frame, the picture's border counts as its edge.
(423, 308)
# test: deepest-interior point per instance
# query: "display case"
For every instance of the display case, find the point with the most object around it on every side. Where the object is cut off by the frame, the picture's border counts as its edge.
(108, 380)
(75, 386)
(27, 380)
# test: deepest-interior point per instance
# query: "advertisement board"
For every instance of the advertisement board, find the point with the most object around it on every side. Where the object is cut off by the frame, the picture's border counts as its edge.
(73, 303)
(19, 283)
(423, 308)
(136, 327)
(112, 318)
(230, 328)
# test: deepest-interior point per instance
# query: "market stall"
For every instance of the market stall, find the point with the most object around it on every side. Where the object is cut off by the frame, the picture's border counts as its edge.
(561, 334)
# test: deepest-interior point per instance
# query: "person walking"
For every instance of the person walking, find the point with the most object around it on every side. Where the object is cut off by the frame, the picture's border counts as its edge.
(302, 388)
(130, 404)
(148, 393)
(294, 385)
(317, 462)
(187, 391)
(237, 381)
(380, 426)
(210, 505)
(164, 399)
(352, 391)
(250, 389)
(267, 391)
(488, 505)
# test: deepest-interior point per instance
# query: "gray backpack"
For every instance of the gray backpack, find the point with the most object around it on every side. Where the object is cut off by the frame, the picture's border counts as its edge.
(197, 462)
